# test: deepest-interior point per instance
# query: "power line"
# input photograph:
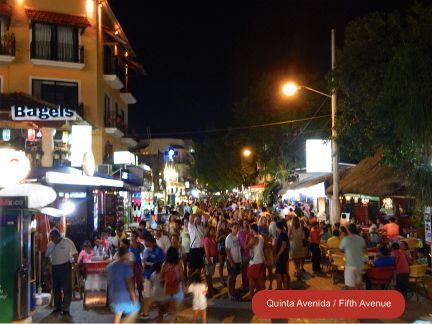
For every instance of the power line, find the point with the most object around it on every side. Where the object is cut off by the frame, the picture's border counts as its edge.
(204, 131)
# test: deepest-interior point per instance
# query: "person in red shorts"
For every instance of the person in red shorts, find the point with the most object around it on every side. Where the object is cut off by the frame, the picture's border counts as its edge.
(256, 270)
(137, 249)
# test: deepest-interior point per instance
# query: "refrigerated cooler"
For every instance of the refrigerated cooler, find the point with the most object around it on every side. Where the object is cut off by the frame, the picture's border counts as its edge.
(16, 269)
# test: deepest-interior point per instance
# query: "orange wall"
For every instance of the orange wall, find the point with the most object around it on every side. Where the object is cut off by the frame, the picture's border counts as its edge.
(17, 75)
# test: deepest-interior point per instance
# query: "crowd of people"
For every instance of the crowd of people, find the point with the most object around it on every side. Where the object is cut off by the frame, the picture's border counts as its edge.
(191, 251)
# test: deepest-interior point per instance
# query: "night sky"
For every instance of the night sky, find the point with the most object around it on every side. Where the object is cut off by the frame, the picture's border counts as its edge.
(202, 57)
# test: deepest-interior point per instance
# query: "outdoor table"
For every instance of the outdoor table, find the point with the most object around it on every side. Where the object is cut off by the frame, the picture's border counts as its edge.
(96, 286)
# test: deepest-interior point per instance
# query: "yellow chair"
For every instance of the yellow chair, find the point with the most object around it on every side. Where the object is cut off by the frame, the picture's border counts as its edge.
(413, 243)
(337, 264)
(416, 277)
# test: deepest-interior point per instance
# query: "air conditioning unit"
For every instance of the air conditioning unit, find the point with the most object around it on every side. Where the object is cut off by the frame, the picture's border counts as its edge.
(105, 168)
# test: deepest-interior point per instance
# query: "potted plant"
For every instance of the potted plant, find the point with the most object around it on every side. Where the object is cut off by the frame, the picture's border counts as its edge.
(8, 41)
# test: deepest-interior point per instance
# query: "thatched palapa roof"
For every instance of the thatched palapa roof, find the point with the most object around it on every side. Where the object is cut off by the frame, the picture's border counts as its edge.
(370, 177)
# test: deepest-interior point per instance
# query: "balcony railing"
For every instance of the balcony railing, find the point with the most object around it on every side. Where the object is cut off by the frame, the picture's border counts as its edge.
(117, 122)
(60, 52)
(112, 67)
(7, 47)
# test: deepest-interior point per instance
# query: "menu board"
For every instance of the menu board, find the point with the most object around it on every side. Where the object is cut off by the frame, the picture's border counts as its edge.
(428, 225)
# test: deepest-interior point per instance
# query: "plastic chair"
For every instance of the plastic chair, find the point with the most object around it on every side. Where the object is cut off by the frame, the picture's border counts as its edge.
(381, 276)
(337, 265)
(416, 277)
(413, 243)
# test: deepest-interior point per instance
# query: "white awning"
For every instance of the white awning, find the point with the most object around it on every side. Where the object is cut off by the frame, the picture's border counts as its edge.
(80, 180)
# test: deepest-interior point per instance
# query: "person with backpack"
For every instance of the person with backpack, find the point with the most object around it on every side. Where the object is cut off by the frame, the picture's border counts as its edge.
(172, 278)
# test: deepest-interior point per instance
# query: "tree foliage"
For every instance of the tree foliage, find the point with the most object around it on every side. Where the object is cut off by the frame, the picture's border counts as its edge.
(384, 83)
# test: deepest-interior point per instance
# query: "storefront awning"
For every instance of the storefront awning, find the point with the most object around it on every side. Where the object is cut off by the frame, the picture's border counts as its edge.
(53, 177)
(57, 18)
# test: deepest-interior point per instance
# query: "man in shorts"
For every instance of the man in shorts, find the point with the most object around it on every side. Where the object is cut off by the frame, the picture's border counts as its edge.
(233, 252)
(196, 252)
(152, 254)
(353, 245)
(121, 288)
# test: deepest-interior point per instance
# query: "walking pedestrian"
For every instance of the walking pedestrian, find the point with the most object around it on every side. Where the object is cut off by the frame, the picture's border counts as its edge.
(282, 256)
(256, 270)
(196, 233)
(152, 254)
(121, 288)
(211, 254)
(221, 235)
(137, 249)
(233, 252)
(244, 236)
(315, 240)
(199, 301)
(296, 236)
(159, 298)
(353, 245)
(172, 278)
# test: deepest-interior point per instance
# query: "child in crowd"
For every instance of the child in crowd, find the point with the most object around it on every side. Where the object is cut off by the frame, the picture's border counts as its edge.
(86, 253)
(158, 291)
(199, 302)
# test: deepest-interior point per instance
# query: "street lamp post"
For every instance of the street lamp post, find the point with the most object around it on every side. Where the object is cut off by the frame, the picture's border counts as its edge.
(289, 89)
(335, 208)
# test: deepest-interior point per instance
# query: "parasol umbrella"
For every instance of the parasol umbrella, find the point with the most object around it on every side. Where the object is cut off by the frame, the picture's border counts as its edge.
(38, 195)
(42, 239)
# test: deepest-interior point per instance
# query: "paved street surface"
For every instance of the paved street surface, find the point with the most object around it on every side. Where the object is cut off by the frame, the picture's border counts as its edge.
(221, 310)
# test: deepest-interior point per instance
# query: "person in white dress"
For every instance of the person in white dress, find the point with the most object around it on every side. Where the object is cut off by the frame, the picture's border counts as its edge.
(198, 289)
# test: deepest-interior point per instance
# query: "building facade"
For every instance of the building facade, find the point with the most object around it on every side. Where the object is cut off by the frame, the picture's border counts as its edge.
(65, 67)
(171, 161)
(76, 55)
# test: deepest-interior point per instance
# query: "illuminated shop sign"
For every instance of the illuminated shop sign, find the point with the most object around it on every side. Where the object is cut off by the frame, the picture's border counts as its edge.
(74, 195)
(42, 113)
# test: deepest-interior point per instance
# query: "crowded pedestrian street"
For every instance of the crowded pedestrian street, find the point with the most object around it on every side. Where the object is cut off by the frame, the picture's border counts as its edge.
(240, 162)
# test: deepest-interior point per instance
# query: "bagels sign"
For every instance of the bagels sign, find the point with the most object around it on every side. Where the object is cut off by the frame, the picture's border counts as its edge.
(42, 113)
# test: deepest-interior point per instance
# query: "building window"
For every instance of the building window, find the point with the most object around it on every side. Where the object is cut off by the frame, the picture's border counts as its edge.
(107, 110)
(55, 42)
(61, 93)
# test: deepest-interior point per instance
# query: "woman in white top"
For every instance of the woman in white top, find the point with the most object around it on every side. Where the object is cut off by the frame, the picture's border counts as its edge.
(256, 270)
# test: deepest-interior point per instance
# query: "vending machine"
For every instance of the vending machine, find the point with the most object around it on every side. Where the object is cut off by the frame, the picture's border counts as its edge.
(15, 259)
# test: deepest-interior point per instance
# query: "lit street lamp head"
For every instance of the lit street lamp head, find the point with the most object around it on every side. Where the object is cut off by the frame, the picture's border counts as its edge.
(290, 88)
(246, 152)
